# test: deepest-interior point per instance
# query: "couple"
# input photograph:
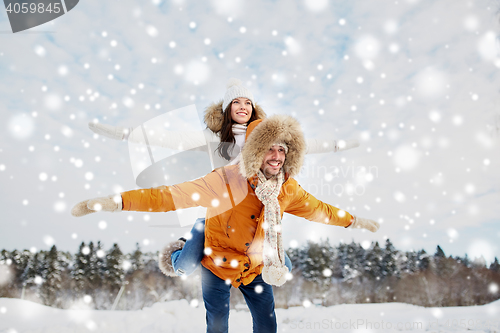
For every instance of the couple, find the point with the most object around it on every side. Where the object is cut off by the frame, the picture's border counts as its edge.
(242, 238)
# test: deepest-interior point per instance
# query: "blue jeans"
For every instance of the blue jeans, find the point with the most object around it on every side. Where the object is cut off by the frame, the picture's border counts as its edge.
(216, 294)
(185, 261)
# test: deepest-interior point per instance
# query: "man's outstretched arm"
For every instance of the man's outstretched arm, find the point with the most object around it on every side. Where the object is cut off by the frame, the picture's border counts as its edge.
(200, 192)
(307, 206)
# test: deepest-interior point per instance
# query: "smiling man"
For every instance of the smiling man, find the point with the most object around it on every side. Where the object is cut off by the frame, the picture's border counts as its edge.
(273, 160)
(243, 231)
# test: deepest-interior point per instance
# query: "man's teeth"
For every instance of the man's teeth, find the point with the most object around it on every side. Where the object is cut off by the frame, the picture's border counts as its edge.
(274, 163)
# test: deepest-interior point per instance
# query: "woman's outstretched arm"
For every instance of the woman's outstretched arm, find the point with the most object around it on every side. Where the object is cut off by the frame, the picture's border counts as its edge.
(178, 140)
(321, 146)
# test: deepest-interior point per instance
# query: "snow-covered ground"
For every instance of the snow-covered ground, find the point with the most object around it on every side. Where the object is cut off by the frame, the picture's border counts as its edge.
(18, 316)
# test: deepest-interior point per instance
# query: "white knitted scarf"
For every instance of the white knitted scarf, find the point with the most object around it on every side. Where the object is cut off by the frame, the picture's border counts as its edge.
(274, 271)
(239, 129)
(239, 132)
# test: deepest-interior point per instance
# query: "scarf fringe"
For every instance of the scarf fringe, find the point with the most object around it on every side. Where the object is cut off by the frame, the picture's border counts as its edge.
(274, 275)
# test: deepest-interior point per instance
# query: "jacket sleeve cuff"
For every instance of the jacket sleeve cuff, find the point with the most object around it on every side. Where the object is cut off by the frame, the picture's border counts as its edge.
(351, 222)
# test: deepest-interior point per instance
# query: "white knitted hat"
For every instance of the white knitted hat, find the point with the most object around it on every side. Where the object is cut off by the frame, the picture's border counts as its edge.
(235, 89)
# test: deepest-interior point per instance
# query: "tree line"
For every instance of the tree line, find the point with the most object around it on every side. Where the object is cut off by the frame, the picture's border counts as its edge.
(322, 274)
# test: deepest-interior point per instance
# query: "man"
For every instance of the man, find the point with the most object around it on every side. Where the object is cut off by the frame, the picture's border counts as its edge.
(243, 242)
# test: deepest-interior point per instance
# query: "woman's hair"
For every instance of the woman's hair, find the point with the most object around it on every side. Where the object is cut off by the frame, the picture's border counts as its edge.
(227, 140)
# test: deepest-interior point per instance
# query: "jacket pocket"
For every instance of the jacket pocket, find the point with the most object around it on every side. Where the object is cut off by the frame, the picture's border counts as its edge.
(225, 222)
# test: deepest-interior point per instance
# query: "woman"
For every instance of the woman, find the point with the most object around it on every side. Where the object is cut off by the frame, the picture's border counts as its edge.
(226, 123)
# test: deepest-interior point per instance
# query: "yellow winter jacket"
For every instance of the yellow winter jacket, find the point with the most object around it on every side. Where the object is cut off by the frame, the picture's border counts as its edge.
(233, 230)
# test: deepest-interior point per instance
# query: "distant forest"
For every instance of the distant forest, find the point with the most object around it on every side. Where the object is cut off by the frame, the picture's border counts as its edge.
(322, 274)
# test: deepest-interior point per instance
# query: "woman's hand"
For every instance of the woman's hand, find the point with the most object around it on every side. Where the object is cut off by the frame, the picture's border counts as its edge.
(112, 132)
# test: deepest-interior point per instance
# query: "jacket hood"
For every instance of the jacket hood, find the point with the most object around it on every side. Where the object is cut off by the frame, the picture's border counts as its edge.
(262, 134)
(214, 115)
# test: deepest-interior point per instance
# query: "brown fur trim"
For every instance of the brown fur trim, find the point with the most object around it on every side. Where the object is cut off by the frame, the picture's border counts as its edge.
(213, 116)
(165, 260)
(277, 128)
(260, 112)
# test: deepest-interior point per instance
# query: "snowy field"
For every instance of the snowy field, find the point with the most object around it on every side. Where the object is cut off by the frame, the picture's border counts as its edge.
(18, 316)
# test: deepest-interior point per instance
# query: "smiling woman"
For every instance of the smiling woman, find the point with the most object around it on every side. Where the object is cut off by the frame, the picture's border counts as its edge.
(241, 110)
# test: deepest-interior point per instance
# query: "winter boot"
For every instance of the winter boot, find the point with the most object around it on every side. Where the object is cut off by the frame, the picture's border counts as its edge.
(165, 257)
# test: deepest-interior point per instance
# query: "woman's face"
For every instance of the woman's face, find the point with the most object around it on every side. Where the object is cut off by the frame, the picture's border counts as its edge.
(241, 110)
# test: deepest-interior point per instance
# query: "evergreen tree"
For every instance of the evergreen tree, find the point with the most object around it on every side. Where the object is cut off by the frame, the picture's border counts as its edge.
(32, 276)
(7, 276)
(79, 270)
(442, 265)
(46, 274)
(318, 262)
(4, 255)
(423, 260)
(114, 273)
(5, 258)
(495, 266)
(136, 259)
(409, 262)
(151, 263)
(374, 262)
(54, 267)
(465, 260)
(20, 261)
(352, 260)
(340, 260)
(94, 269)
(389, 261)
(478, 262)
(439, 252)
(30, 271)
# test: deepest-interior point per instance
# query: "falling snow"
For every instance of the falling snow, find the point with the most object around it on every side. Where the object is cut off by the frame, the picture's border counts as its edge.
(430, 172)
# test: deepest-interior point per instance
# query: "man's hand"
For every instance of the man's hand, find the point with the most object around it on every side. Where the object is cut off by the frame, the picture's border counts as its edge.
(112, 132)
(112, 203)
(362, 223)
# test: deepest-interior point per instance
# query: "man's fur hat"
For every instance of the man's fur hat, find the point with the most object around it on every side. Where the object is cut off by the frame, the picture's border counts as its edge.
(262, 134)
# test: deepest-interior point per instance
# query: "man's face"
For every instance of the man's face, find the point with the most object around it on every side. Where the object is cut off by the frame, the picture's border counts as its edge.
(273, 161)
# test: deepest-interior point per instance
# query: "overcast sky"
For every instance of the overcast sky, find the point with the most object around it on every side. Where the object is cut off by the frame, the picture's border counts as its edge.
(415, 81)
